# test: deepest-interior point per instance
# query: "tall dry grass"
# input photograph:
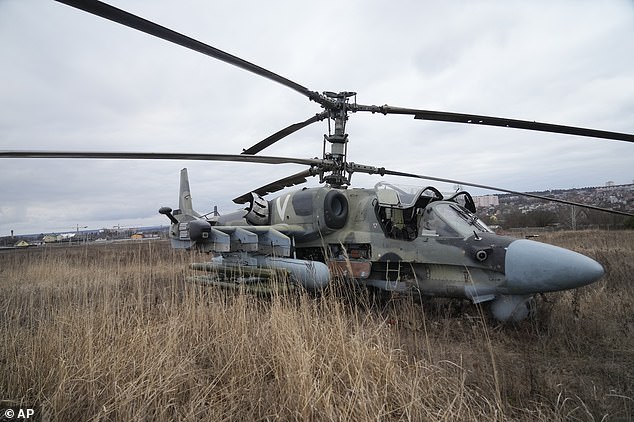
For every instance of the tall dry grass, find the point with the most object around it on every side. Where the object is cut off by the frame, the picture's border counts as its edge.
(115, 333)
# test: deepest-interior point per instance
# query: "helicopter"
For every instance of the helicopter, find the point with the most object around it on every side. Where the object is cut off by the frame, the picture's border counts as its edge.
(389, 238)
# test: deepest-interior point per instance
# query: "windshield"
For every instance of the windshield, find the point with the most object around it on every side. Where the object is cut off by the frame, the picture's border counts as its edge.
(447, 219)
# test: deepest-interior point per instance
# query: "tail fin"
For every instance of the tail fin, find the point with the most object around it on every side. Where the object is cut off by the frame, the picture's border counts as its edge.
(185, 198)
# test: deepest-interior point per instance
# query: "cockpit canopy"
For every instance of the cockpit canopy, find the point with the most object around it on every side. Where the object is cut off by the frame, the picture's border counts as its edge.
(405, 196)
(408, 212)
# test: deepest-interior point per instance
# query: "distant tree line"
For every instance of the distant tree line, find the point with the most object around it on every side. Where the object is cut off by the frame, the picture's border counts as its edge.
(570, 218)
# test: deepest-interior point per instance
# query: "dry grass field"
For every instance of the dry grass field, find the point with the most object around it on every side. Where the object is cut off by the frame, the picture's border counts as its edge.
(115, 333)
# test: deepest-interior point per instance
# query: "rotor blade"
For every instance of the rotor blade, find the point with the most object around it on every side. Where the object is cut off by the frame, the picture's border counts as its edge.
(446, 116)
(127, 19)
(163, 156)
(283, 133)
(382, 171)
(295, 179)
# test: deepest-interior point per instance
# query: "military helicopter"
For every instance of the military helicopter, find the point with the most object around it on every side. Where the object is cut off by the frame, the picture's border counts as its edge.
(390, 238)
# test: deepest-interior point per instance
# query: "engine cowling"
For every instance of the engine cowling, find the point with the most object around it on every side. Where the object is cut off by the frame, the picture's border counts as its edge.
(258, 213)
(318, 211)
(335, 209)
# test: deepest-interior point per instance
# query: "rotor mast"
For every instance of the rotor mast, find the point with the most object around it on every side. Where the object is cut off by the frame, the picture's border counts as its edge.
(339, 176)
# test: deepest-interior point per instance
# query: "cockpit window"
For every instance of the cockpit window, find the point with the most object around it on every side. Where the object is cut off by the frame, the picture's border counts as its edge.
(448, 219)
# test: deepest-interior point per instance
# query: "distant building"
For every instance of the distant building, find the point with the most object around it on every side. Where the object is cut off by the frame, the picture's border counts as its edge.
(64, 237)
(49, 238)
(486, 201)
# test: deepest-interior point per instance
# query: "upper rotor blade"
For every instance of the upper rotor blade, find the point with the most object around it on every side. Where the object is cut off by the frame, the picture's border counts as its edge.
(477, 119)
(127, 19)
(286, 182)
(161, 156)
(382, 171)
(284, 133)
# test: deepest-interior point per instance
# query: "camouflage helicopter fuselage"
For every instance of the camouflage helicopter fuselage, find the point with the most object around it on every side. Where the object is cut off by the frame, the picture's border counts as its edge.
(385, 238)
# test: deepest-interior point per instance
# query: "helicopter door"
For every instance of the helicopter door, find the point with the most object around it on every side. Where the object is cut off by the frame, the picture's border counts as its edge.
(396, 221)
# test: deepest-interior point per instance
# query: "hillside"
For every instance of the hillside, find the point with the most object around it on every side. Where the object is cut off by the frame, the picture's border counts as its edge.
(511, 211)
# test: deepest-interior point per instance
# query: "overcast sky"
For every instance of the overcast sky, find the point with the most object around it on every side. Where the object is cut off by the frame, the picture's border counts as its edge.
(73, 81)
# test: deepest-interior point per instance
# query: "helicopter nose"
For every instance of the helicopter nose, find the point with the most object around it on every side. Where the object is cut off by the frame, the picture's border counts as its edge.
(533, 267)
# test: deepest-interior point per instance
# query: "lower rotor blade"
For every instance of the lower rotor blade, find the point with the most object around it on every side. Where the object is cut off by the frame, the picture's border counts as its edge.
(284, 133)
(383, 171)
(477, 119)
(160, 156)
(295, 179)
